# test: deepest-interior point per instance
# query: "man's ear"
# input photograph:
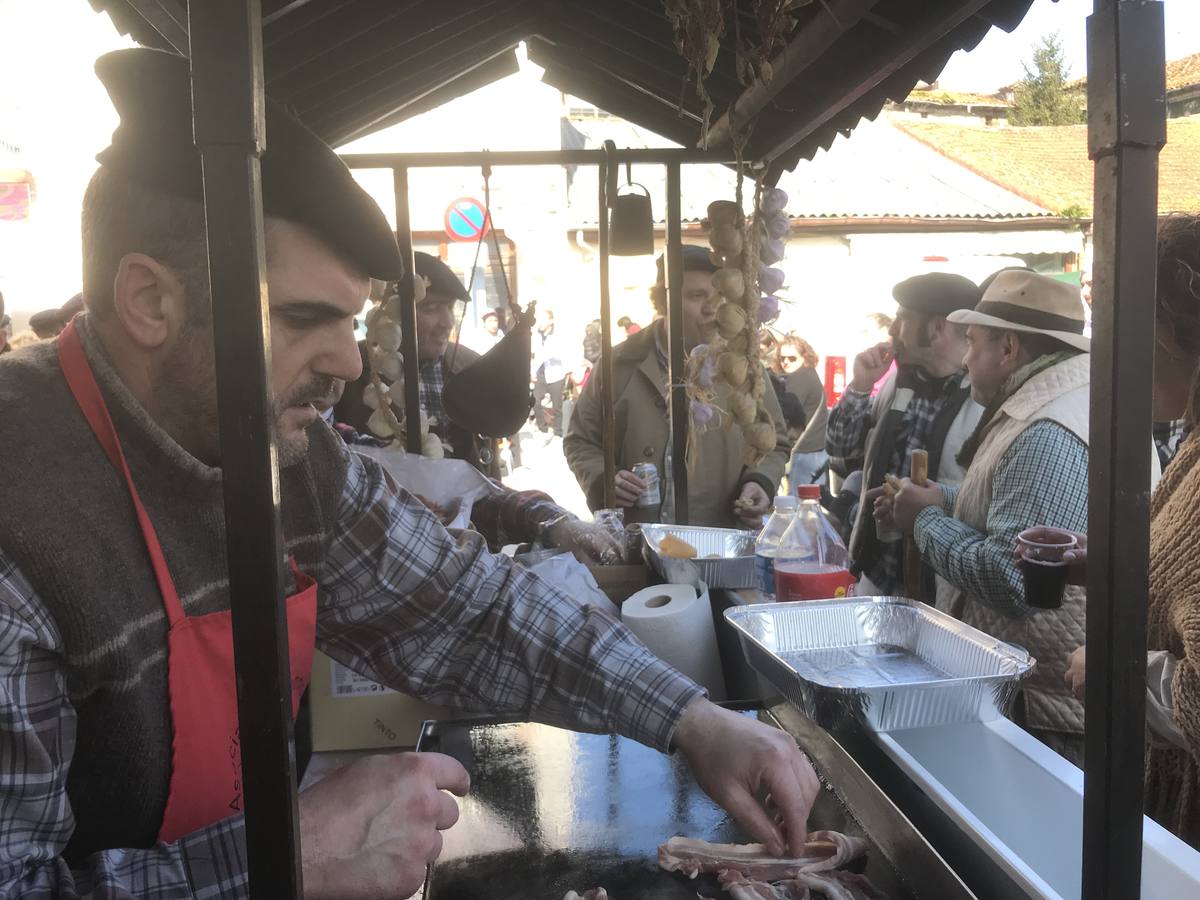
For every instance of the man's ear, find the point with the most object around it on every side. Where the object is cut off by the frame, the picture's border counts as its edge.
(148, 299)
(1011, 345)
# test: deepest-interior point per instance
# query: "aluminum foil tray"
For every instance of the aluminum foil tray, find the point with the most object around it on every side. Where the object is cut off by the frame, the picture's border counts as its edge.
(725, 556)
(884, 663)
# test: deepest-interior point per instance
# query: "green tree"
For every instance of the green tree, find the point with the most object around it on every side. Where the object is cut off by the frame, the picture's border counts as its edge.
(1043, 96)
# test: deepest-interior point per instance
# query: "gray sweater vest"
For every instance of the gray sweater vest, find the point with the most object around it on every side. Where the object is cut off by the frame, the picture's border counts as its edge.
(67, 522)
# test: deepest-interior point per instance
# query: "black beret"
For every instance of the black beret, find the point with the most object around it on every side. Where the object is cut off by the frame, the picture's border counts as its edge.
(441, 279)
(937, 293)
(695, 259)
(303, 180)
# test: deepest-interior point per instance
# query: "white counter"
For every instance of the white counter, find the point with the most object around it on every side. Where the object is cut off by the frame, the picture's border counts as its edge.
(1022, 804)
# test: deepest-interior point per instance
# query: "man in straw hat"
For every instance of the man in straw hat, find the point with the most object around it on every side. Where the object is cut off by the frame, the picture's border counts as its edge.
(1027, 464)
(119, 754)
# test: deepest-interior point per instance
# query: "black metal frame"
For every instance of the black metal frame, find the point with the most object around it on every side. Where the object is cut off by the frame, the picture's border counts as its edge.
(1126, 131)
(228, 112)
(1127, 127)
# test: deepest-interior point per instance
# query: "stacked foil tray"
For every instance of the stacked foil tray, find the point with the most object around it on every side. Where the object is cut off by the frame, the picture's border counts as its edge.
(724, 556)
(883, 663)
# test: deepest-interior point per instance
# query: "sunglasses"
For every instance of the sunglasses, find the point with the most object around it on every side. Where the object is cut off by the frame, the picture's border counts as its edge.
(789, 358)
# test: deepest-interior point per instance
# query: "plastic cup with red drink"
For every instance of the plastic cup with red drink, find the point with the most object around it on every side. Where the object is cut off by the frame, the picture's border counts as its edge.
(1042, 550)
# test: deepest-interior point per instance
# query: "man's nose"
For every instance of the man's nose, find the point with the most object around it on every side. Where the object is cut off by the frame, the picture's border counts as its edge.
(343, 359)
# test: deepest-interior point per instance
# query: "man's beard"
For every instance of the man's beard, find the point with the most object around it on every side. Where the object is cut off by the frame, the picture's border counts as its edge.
(317, 391)
(185, 400)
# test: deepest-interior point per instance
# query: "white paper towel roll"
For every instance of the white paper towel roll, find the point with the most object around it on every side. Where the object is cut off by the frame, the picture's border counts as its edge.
(676, 623)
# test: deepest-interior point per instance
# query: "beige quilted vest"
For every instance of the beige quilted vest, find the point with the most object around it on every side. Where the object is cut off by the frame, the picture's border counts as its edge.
(1059, 394)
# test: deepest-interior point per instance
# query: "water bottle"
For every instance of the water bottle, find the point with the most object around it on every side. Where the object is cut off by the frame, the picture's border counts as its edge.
(811, 562)
(768, 543)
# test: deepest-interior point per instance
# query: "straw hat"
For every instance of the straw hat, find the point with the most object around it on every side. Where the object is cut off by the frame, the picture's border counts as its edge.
(1022, 300)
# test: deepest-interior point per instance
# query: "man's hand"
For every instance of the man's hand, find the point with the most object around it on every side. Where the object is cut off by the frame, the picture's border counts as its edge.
(906, 504)
(588, 541)
(751, 505)
(368, 830)
(869, 367)
(736, 760)
(1076, 666)
(1076, 558)
(629, 488)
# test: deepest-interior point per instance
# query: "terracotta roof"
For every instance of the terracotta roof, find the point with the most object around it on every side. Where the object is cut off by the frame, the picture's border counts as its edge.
(1181, 73)
(1184, 72)
(1050, 166)
(955, 98)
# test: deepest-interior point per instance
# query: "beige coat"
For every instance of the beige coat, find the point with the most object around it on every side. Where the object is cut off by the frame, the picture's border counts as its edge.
(642, 429)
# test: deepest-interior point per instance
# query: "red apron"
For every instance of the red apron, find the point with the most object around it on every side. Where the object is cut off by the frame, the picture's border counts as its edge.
(206, 758)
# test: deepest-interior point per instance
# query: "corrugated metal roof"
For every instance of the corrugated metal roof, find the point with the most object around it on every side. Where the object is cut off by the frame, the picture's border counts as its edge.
(879, 171)
(349, 67)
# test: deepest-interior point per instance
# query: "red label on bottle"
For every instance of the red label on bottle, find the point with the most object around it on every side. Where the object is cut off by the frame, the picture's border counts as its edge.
(811, 582)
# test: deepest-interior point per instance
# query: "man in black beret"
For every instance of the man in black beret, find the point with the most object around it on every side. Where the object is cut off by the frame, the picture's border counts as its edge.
(926, 404)
(119, 755)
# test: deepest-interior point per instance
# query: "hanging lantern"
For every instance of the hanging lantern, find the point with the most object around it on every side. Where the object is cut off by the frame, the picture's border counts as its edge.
(631, 223)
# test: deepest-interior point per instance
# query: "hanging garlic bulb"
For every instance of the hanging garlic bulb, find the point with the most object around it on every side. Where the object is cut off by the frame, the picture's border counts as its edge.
(379, 425)
(385, 334)
(373, 398)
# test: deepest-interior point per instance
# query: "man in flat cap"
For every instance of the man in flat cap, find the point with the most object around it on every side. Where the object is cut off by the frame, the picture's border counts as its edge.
(1027, 465)
(119, 762)
(926, 404)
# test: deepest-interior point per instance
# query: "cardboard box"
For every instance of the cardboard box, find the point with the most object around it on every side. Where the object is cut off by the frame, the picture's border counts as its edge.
(351, 712)
(619, 583)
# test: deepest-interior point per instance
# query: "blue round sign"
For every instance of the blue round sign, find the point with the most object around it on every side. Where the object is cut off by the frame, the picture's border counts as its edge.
(466, 219)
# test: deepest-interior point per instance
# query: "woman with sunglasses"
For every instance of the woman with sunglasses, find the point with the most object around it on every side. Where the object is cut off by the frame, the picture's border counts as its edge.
(796, 361)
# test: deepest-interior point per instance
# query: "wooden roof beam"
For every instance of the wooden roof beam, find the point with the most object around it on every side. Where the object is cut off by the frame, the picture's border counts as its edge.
(807, 46)
(938, 20)
(168, 18)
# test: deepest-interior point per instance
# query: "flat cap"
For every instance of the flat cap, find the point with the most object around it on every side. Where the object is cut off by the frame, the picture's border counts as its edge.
(303, 180)
(937, 293)
(695, 259)
(441, 278)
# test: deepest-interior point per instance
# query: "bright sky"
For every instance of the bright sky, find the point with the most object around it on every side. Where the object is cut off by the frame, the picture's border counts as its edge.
(997, 60)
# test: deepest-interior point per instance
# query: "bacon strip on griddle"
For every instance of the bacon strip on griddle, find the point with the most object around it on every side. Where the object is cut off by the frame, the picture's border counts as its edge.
(823, 850)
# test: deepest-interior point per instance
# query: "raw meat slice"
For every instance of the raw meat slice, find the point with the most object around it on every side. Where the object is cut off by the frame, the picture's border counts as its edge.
(743, 888)
(823, 850)
(836, 886)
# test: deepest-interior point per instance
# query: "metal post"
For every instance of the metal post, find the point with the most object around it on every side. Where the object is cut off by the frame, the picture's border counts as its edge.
(676, 352)
(228, 112)
(607, 417)
(1127, 126)
(408, 314)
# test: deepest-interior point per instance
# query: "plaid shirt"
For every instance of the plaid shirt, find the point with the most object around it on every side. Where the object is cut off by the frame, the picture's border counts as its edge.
(1042, 479)
(846, 433)
(402, 601)
(433, 382)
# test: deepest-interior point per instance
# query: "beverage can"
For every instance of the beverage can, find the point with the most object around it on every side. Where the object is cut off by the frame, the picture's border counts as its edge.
(652, 495)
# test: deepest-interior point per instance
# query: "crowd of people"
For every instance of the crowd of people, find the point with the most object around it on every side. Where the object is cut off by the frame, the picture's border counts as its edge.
(112, 544)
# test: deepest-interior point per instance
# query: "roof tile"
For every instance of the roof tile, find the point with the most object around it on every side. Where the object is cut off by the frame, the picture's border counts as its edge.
(1049, 166)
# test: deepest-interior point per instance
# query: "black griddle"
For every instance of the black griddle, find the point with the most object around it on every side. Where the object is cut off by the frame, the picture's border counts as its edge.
(552, 811)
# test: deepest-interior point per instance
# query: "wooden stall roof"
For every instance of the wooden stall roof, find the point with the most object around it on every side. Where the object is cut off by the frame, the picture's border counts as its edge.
(350, 67)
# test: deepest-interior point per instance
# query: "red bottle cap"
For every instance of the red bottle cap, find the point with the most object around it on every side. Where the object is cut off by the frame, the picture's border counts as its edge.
(809, 492)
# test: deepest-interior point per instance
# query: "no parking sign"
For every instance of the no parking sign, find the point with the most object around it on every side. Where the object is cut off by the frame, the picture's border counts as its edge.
(466, 219)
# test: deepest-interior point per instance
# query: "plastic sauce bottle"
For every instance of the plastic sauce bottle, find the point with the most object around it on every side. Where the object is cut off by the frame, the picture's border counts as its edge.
(811, 562)
(767, 543)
